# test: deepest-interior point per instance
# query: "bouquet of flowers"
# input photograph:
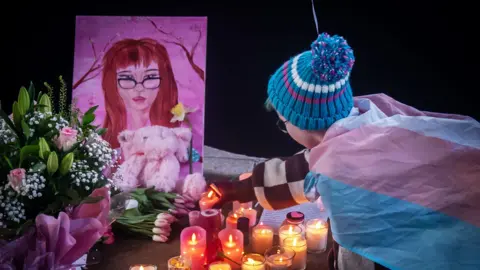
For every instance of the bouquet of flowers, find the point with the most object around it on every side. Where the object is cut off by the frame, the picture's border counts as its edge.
(54, 197)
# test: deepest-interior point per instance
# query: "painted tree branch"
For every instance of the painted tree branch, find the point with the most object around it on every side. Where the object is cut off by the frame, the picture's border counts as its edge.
(96, 66)
(179, 42)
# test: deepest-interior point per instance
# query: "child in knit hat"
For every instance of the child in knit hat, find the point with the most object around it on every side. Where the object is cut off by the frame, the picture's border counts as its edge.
(369, 157)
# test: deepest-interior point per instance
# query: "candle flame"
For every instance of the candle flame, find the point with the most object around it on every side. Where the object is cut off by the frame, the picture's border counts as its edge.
(281, 259)
(210, 194)
(141, 267)
(294, 242)
(194, 238)
(290, 230)
(263, 231)
(251, 261)
(318, 225)
(230, 238)
(235, 215)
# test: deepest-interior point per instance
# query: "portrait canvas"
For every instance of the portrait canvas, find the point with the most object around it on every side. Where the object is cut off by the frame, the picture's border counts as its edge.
(137, 69)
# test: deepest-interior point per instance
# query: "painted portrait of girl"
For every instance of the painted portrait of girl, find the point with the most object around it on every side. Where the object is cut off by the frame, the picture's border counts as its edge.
(138, 85)
(138, 71)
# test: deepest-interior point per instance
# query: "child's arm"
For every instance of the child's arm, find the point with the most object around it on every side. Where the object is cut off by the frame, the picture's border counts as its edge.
(278, 183)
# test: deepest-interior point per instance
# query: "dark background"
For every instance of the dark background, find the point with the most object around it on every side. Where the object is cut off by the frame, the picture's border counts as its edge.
(419, 52)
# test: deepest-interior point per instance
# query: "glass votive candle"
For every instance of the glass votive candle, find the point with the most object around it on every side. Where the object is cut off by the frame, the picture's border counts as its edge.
(253, 261)
(262, 238)
(279, 258)
(208, 200)
(288, 230)
(299, 245)
(219, 266)
(232, 245)
(193, 242)
(317, 236)
(143, 267)
(179, 263)
(232, 219)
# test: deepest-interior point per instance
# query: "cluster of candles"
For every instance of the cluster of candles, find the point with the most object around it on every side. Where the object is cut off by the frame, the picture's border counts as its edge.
(240, 231)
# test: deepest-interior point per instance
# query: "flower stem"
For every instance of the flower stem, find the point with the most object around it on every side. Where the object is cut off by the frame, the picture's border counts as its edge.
(190, 148)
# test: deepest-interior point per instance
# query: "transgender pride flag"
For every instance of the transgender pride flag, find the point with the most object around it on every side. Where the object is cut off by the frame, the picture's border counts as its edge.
(402, 186)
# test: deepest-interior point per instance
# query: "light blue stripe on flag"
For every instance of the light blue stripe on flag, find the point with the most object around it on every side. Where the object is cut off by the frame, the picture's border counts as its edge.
(397, 233)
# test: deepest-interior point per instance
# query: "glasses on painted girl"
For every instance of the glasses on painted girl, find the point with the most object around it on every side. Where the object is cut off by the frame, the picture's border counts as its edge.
(282, 125)
(151, 82)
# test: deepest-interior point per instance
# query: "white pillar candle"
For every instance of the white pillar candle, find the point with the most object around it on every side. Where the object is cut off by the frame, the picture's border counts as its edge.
(262, 238)
(299, 245)
(317, 236)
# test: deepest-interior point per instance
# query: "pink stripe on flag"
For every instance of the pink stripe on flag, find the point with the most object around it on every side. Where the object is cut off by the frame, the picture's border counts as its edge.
(308, 100)
(437, 174)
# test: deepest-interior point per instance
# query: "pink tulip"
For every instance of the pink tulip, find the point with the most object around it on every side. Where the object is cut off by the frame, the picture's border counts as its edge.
(66, 139)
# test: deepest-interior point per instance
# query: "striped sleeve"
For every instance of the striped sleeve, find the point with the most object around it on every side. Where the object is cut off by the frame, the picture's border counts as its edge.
(279, 182)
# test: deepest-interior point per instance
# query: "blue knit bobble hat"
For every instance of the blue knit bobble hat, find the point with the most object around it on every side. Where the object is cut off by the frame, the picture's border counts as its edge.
(312, 90)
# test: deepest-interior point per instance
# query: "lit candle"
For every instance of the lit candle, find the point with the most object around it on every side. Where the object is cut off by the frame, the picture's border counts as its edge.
(299, 245)
(193, 244)
(219, 266)
(249, 213)
(178, 263)
(279, 258)
(288, 231)
(232, 245)
(143, 267)
(317, 235)
(232, 220)
(262, 238)
(208, 199)
(236, 204)
(253, 261)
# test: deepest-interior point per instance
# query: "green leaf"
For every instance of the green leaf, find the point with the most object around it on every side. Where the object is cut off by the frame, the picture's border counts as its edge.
(92, 199)
(88, 118)
(27, 150)
(74, 196)
(52, 163)
(44, 149)
(8, 162)
(23, 101)
(31, 93)
(25, 128)
(66, 163)
(39, 167)
(91, 110)
(24, 226)
(101, 131)
(17, 114)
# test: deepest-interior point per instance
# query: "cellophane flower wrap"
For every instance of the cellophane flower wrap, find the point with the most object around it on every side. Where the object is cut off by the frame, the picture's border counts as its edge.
(54, 196)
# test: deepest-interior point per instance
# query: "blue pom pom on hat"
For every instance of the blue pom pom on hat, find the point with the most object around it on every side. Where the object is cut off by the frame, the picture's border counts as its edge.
(312, 89)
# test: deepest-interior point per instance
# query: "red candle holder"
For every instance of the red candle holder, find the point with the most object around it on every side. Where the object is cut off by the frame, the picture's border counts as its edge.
(193, 243)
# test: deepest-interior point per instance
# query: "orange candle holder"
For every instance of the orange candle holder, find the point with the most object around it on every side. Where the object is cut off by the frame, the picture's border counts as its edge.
(193, 243)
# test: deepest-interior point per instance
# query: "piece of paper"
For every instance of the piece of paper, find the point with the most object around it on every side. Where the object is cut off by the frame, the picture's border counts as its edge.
(81, 262)
(275, 218)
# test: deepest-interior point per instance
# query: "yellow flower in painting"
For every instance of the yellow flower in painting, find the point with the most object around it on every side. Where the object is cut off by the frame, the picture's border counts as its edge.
(179, 112)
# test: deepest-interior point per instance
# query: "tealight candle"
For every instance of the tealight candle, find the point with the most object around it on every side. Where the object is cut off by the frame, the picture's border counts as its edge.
(317, 235)
(208, 200)
(143, 267)
(178, 263)
(253, 261)
(288, 231)
(279, 258)
(232, 245)
(219, 266)
(262, 238)
(232, 220)
(193, 244)
(299, 245)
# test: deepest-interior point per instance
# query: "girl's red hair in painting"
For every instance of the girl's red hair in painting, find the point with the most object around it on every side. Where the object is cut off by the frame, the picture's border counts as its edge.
(136, 52)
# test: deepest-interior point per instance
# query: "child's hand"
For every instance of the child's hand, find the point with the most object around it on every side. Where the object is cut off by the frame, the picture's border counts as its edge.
(235, 190)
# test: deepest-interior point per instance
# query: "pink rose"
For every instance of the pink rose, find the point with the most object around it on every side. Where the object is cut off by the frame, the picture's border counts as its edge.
(66, 139)
(15, 178)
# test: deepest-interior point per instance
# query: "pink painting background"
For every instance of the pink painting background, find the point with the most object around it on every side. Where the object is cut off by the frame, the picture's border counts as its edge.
(94, 36)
